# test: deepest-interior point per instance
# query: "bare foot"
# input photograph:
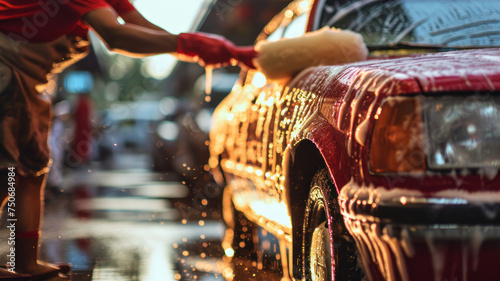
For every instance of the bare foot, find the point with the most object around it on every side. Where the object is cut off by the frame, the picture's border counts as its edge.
(49, 271)
(63, 268)
(4, 273)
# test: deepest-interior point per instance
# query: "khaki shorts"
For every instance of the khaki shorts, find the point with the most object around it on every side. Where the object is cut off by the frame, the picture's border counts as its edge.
(25, 112)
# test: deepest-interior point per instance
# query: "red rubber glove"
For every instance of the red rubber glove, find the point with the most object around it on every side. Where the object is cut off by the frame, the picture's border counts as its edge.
(245, 55)
(207, 49)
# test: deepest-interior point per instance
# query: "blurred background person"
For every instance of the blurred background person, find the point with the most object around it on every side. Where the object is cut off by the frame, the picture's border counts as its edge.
(82, 146)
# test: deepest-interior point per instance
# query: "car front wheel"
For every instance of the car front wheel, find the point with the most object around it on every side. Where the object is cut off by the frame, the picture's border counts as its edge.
(327, 254)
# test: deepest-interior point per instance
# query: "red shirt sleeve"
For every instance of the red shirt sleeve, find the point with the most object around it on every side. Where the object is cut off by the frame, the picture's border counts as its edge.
(81, 7)
(20, 19)
(121, 6)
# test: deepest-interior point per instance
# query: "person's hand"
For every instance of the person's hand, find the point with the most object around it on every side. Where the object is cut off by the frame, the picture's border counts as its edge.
(207, 49)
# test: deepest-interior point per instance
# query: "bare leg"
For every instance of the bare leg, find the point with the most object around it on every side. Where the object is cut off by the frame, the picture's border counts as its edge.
(28, 212)
(3, 199)
(29, 203)
(28, 207)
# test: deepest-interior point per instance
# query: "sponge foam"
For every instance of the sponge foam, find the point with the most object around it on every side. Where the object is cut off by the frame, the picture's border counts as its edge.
(327, 46)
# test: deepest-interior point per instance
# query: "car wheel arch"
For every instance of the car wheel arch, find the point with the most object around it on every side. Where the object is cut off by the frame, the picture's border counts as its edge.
(303, 163)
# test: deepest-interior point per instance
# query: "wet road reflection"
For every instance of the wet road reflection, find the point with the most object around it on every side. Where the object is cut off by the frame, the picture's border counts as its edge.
(133, 224)
(204, 260)
(121, 224)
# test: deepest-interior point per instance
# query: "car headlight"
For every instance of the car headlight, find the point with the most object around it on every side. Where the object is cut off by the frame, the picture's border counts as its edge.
(417, 133)
(462, 132)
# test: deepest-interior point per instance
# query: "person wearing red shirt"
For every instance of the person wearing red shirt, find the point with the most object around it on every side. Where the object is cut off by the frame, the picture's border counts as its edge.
(40, 37)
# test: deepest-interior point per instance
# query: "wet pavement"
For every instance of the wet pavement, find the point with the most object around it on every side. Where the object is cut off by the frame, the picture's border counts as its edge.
(130, 223)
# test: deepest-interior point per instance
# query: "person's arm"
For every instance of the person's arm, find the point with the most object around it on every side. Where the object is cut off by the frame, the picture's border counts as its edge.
(130, 39)
(134, 17)
(139, 37)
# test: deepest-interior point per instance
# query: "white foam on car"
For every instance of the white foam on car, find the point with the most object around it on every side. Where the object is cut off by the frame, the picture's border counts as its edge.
(375, 242)
(327, 46)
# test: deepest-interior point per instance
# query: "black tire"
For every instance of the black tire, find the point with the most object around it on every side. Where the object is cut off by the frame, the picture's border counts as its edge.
(319, 242)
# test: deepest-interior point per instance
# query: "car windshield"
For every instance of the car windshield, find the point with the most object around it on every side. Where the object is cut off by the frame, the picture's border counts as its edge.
(445, 23)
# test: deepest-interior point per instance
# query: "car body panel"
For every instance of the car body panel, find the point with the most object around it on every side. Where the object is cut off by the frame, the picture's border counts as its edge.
(275, 118)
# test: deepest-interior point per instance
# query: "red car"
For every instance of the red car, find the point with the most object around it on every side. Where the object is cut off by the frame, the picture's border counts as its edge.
(385, 169)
